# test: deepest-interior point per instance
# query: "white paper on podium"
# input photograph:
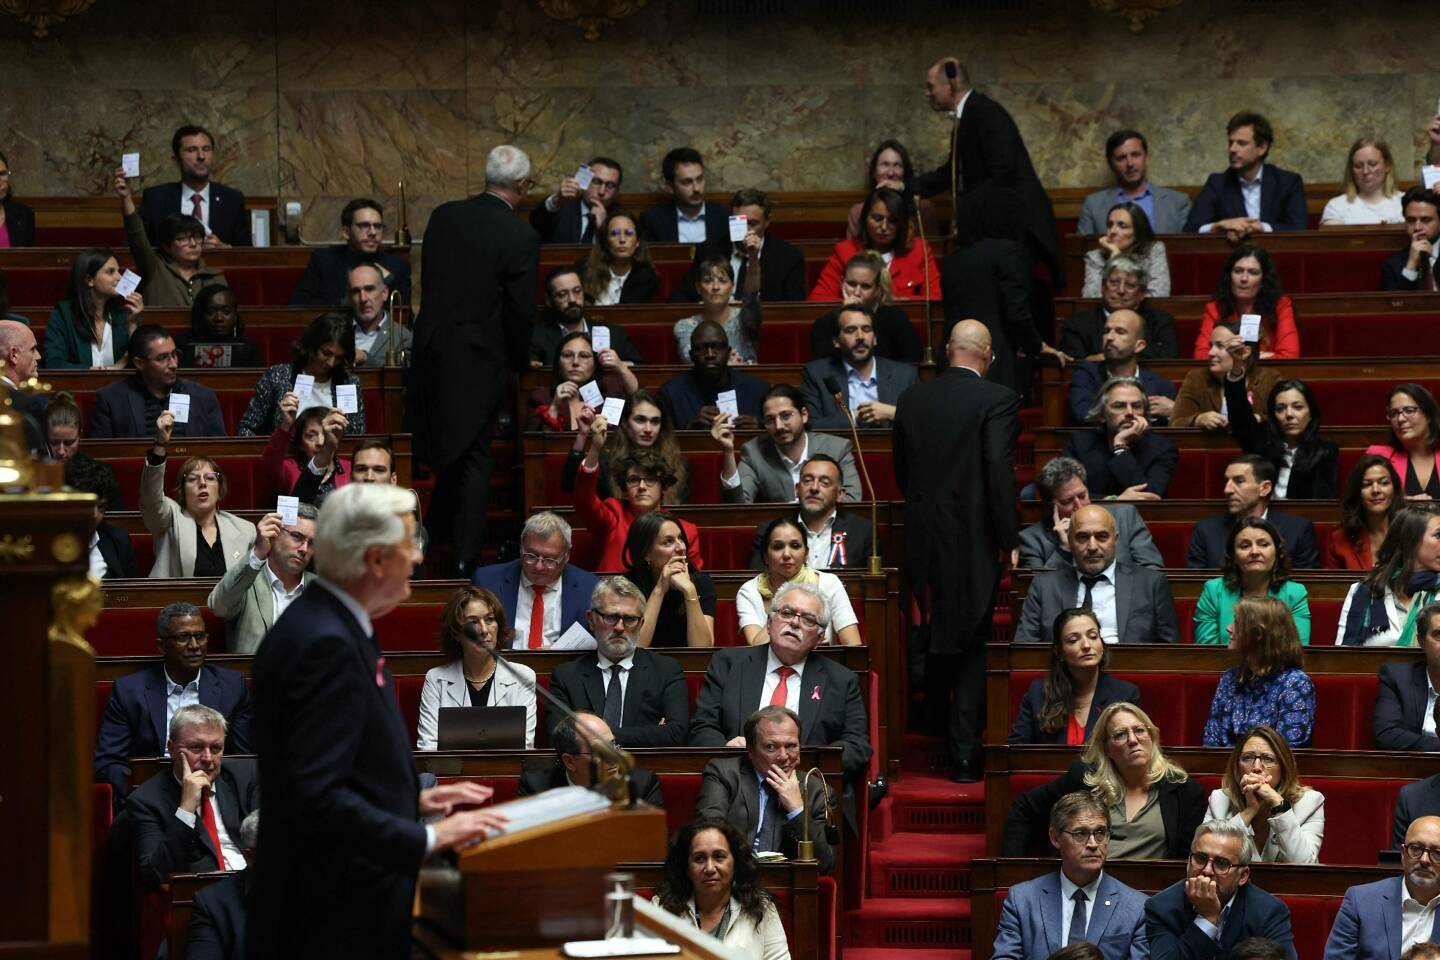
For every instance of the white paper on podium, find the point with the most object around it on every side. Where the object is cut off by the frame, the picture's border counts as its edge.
(576, 638)
(539, 809)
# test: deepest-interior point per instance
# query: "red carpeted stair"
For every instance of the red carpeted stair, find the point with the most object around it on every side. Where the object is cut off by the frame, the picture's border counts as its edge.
(923, 837)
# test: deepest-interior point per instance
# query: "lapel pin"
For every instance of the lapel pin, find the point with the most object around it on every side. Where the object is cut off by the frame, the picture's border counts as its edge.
(1107, 903)
(815, 693)
(380, 672)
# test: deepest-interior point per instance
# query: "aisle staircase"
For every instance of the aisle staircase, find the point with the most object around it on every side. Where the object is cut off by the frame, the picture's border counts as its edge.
(923, 837)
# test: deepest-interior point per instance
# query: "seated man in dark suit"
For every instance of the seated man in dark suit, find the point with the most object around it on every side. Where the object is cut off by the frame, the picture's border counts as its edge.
(689, 397)
(640, 693)
(564, 314)
(1123, 459)
(1123, 345)
(837, 539)
(1413, 268)
(142, 705)
(782, 265)
(220, 208)
(871, 383)
(1062, 489)
(1404, 716)
(1416, 800)
(111, 555)
(1133, 603)
(129, 406)
(1249, 479)
(545, 595)
(573, 213)
(325, 282)
(1251, 196)
(1123, 286)
(760, 793)
(769, 466)
(187, 820)
(217, 913)
(1378, 920)
(575, 765)
(1215, 906)
(689, 218)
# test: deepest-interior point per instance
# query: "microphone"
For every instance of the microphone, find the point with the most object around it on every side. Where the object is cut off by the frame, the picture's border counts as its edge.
(598, 747)
(842, 400)
(929, 354)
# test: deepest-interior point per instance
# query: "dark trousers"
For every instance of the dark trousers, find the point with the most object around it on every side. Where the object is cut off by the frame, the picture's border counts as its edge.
(954, 685)
(461, 499)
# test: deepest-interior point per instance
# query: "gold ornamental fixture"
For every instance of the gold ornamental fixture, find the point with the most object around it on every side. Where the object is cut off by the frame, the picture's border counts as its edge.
(40, 15)
(1135, 12)
(589, 15)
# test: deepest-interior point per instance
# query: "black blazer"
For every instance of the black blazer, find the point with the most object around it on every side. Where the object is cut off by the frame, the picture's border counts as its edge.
(658, 225)
(892, 378)
(217, 919)
(20, 220)
(1315, 481)
(1392, 273)
(326, 281)
(1082, 333)
(647, 785)
(1418, 799)
(120, 410)
(656, 711)
(1399, 715)
(115, 549)
(989, 281)
(546, 336)
(1182, 808)
(164, 844)
(1207, 541)
(730, 790)
(1282, 200)
(229, 220)
(895, 336)
(1173, 933)
(1151, 461)
(782, 272)
(1026, 728)
(562, 226)
(854, 526)
(641, 286)
(341, 826)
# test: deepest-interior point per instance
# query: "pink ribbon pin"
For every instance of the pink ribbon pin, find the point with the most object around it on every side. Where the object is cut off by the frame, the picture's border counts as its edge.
(815, 693)
(380, 672)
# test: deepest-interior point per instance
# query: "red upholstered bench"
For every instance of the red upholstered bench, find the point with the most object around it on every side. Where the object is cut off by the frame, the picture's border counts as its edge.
(130, 632)
(242, 480)
(1336, 335)
(1172, 537)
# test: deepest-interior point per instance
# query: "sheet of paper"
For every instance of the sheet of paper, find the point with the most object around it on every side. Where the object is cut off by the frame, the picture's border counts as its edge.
(614, 410)
(1431, 175)
(289, 509)
(600, 338)
(129, 283)
(347, 398)
(583, 176)
(304, 383)
(1250, 327)
(591, 394)
(576, 638)
(728, 403)
(739, 226)
(179, 404)
(131, 163)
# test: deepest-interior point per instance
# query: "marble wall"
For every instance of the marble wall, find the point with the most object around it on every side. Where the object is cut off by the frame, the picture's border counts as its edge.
(320, 102)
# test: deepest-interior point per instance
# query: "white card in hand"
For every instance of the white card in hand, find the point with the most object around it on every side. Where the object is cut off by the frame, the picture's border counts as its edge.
(179, 404)
(591, 394)
(739, 226)
(1250, 327)
(347, 398)
(304, 383)
(131, 163)
(1431, 175)
(129, 283)
(289, 510)
(599, 338)
(583, 176)
(614, 410)
(576, 638)
(727, 403)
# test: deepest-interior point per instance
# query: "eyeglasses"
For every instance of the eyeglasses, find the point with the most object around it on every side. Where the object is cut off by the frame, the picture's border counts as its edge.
(370, 227)
(642, 482)
(1120, 283)
(1139, 733)
(791, 615)
(585, 748)
(1417, 850)
(4, 174)
(544, 563)
(1398, 412)
(1099, 835)
(1220, 865)
(631, 620)
(299, 539)
(196, 478)
(196, 636)
(1264, 759)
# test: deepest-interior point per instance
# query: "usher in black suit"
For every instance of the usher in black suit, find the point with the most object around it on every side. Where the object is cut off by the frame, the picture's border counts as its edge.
(989, 280)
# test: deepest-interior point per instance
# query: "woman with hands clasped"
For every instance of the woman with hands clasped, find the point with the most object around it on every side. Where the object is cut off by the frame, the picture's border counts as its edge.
(680, 602)
(91, 330)
(177, 273)
(576, 364)
(1261, 791)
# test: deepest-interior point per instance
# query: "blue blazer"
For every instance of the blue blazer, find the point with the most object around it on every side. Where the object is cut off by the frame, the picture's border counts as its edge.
(1207, 540)
(503, 580)
(1088, 376)
(1282, 200)
(1368, 924)
(120, 410)
(1174, 935)
(1418, 799)
(1030, 927)
(1399, 716)
(134, 720)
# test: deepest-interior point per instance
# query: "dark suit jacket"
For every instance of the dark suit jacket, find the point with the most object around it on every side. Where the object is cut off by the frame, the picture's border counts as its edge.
(546, 336)
(1418, 799)
(1392, 273)
(1207, 542)
(658, 225)
(831, 710)
(326, 281)
(895, 336)
(856, 529)
(654, 692)
(115, 548)
(1399, 714)
(1174, 935)
(478, 306)
(1088, 376)
(164, 844)
(503, 580)
(730, 791)
(1026, 728)
(1039, 547)
(134, 720)
(562, 226)
(217, 919)
(32, 413)
(892, 378)
(229, 220)
(989, 281)
(1144, 608)
(120, 410)
(1182, 808)
(341, 830)
(1082, 333)
(782, 272)
(20, 220)
(1282, 200)
(1151, 461)
(647, 785)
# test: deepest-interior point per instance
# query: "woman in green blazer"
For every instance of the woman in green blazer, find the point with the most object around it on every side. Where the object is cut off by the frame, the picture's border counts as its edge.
(92, 328)
(1255, 565)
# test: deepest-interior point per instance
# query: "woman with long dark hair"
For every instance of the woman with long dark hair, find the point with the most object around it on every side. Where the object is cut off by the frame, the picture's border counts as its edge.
(1062, 707)
(1414, 438)
(890, 166)
(91, 329)
(1256, 564)
(646, 426)
(618, 268)
(325, 351)
(559, 406)
(785, 551)
(680, 600)
(1380, 610)
(1250, 283)
(1128, 233)
(17, 221)
(1267, 685)
(1306, 464)
(1371, 500)
(885, 229)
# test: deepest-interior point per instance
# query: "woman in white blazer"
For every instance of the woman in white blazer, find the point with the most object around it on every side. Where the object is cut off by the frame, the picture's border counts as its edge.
(470, 678)
(192, 523)
(1261, 791)
(711, 878)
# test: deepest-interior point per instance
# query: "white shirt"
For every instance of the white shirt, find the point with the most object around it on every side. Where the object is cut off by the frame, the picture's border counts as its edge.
(1428, 726)
(102, 354)
(611, 294)
(365, 341)
(960, 107)
(1250, 193)
(690, 229)
(1102, 601)
(1357, 212)
(234, 858)
(1416, 919)
(1388, 637)
(525, 600)
(738, 257)
(626, 665)
(98, 566)
(187, 205)
(792, 683)
(1067, 904)
(279, 596)
(1413, 275)
(319, 396)
(552, 203)
(818, 545)
(176, 697)
(751, 609)
(1282, 480)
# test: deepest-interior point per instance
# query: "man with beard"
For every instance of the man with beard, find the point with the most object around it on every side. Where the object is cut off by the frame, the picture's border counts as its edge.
(1122, 458)
(370, 310)
(1129, 157)
(862, 285)
(640, 694)
(220, 208)
(565, 314)
(872, 384)
(1373, 913)
(769, 467)
(691, 398)
(1122, 343)
(325, 281)
(836, 539)
(1122, 287)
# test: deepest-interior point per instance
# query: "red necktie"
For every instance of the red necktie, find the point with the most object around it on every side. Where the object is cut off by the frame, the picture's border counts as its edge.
(537, 619)
(777, 699)
(207, 817)
(195, 211)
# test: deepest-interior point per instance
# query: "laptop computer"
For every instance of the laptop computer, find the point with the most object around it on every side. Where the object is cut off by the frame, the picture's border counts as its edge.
(481, 728)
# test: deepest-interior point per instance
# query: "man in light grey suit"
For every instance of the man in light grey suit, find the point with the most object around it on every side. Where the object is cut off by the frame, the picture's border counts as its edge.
(871, 384)
(1129, 157)
(252, 595)
(769, 466)
(1132, 603)
(1078, 901)
(1062, 486)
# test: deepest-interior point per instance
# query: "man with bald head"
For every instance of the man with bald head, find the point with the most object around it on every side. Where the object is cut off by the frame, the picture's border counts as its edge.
(1122, 343)
(954, 443)
(1132, 603)
(1382, 920)
(21, 358)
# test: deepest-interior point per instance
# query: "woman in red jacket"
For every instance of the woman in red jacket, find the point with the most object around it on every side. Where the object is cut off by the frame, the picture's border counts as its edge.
(886, 230)
(1250, 283)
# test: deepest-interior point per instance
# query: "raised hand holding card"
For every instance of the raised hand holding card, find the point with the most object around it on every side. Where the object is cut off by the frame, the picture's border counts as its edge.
(1431, 175)
(179, 404)
(727, 402)
(739, 226)
(131, 163)
(614, 410)
(289, 510)
(583, 176)
(591, 394)
(129, 283)
(599, 338)
(304, 383)
(1250, 327)
(346, 398)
